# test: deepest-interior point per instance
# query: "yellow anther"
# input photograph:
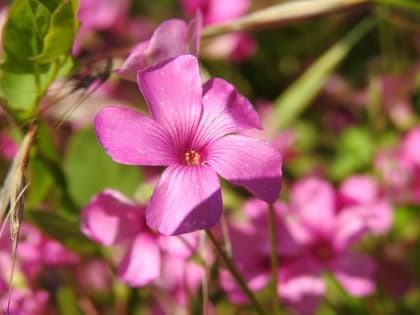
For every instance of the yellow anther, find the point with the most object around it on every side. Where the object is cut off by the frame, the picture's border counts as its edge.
(192, 157)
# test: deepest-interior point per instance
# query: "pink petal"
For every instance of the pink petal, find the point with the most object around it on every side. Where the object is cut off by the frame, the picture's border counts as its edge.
(380, 217)
(301, 286)
(110, 218)
(168, 41)
(224, 111)
(185, 199)
(194, 34)
(132, 138)
(359, 189)
(248, 162)
(181, 246)
(173, 94)
(180, 277)
(142, 263)
(355, 273)
(350, 227)
(136, 60)
(411, 146)
(101, 15)
(314, 201)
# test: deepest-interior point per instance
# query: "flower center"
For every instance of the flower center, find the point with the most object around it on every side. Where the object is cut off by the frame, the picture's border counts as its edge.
(323, 252)
(193, 158)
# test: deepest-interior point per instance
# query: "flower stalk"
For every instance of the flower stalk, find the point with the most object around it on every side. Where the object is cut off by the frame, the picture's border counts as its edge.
(273, 260)
(235, 273)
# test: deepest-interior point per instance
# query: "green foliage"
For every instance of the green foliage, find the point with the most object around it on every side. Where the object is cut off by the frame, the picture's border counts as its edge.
(37, 39)
(67, 301)
(355, 149)
(300, 94)
(59, 39)
(89, 169)
(405, 4)
(23, 32)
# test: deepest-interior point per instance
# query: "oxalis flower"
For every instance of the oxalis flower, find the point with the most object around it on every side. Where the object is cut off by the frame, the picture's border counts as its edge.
(192, 132)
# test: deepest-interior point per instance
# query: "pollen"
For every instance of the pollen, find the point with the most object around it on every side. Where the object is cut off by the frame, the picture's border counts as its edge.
(192, 158)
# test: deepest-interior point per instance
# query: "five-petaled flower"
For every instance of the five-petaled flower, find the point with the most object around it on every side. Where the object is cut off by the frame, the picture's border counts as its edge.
(192, 132)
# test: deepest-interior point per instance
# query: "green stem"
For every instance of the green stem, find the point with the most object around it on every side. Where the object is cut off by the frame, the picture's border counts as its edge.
(273, 260)
(205, 285)
(234, 272)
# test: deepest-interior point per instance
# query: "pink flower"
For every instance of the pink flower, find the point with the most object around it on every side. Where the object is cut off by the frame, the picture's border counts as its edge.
(100, 15)
(400, 168)
(36, 251)
(8, 147)
(215, 11)
(313, 238)
(170, 39)
(110, 218)
(362, 194)
(236, 46)
(192, 131)
(26, 302)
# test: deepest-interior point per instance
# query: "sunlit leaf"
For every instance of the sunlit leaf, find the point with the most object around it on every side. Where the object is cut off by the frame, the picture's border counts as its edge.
(299, 95)
(59, 38)
(89, 169)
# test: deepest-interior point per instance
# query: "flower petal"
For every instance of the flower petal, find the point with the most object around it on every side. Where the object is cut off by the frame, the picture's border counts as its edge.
(110, 218)
(224, 111)
(350, 227)
(142, 263)
(173, 94)
(136, 60)
(312, 199)
(301, 286)
(355, 273)
(358, 189)
(132, 138)
(185, 199)
(248, 162)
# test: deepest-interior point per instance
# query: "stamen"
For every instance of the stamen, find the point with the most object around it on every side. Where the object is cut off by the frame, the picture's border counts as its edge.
(192, 158)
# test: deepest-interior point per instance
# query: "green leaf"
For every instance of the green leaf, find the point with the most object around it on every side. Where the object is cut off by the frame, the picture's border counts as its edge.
(45, 142)
(405, 4)
(51, 4)
(67, 301)
(59, 38)
(64, 230)
(355, 149)
(89, 169)
(23, 34)
(18, 93)
(299, 95)
(40, 181)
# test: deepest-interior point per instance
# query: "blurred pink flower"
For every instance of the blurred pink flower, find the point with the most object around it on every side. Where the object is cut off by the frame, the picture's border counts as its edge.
(36, 252)
(170, 39)
(313, 238)
(362, 194)
(26, 302)
(215, 11)
(110, 218)
(8, 147)
(192, 131)
(100, 15)
(103, 23)
(399, 167)
(180, 278)
(94, 276)
(236, 46)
